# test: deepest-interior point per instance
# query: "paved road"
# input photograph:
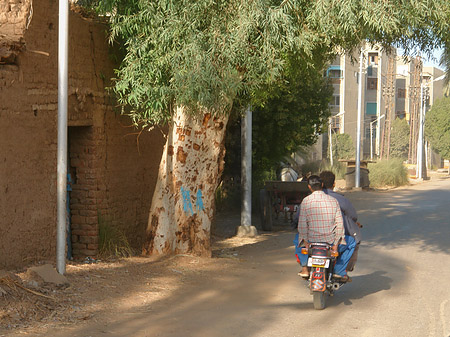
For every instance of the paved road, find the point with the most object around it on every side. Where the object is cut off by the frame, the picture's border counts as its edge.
(401, 286)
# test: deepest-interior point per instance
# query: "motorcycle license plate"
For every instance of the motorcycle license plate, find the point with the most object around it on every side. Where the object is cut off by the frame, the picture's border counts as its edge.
(313, 262)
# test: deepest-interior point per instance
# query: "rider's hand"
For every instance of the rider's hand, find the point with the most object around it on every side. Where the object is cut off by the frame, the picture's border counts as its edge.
(334, 248)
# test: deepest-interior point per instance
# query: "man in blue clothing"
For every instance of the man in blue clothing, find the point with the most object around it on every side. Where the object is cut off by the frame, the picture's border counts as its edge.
(351, 224)
(320, 220)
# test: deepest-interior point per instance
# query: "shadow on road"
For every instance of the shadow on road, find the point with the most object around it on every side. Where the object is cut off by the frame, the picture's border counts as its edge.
(361, 287)
(406, 216)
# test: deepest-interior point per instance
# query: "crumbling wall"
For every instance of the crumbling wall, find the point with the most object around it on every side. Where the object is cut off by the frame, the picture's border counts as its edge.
(15, 16)
(113, 177)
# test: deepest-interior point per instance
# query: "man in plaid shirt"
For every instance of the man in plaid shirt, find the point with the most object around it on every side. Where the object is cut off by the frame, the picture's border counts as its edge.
(321, 220)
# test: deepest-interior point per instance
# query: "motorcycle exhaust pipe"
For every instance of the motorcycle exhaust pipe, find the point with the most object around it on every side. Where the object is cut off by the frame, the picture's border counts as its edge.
(336, 286)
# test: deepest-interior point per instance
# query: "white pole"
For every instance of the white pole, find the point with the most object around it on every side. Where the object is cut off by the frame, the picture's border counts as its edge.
(419, 171)
(331, 142)
(61, 193)
(379, 96)
(358, 124)
(371, 140)
(371, 134)
(246, 162)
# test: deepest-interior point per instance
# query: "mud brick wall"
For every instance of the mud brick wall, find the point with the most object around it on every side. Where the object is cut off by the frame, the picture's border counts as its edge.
(113, 177)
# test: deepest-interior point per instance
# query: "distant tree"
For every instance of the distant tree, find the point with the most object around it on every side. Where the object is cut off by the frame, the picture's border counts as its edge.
(437, 127)
(343, 146)
(399, 139)
(445, 63)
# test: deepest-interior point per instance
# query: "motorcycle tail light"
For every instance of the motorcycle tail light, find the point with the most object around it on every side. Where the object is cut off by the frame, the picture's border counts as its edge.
(305, 251)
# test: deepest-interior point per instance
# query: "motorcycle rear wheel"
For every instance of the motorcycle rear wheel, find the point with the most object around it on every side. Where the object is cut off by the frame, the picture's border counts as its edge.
(319, 300)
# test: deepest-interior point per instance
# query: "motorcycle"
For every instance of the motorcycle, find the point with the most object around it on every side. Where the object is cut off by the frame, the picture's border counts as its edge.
(321, 261)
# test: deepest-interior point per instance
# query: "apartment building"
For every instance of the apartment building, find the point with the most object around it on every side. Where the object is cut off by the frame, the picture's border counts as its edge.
(391, 88)
(377, 94)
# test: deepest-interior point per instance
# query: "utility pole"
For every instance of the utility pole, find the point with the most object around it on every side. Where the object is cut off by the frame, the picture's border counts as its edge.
(61, 192)
(246, 228)
(414, 96)
(358, 125)
(388, 93)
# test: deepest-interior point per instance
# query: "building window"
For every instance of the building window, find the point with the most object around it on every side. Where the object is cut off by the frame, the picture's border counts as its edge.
(372, 83)
(373, 58)
(335, 100)
(335, 123)
(371, 109)
(401, 93)
(335, 73)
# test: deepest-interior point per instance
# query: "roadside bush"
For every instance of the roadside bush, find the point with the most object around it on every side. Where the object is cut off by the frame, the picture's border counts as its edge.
(343, 146)
(388, 173)
(316, 167)
(112, 241)
(339, 169)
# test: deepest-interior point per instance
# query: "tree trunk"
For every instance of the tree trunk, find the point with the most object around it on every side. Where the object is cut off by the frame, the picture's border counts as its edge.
(183, 202)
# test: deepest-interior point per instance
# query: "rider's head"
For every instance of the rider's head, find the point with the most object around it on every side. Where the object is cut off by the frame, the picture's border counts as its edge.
(314, 182)
(328, 179)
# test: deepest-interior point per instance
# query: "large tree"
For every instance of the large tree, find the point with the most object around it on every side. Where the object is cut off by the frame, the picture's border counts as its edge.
(187, 62)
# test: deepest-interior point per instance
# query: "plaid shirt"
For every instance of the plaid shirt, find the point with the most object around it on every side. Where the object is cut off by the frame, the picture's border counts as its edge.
(320, 219)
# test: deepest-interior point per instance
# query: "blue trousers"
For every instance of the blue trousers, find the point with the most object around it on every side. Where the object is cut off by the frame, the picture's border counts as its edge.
(345, 253)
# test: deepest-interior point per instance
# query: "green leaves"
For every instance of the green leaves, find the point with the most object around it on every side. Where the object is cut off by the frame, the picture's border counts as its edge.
(343, 147)
(437, 126)
(211, 54)
(399, 139)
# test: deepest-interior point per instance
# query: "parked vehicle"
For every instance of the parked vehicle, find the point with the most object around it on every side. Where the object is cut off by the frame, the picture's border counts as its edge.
(280, 197)
(321, 261)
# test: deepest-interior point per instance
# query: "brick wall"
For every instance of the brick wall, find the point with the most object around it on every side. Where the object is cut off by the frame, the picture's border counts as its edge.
(114, 178)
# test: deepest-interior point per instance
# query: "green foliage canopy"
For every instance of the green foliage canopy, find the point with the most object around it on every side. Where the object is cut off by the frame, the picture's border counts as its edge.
(292, 117)
(437, 126)
(207, 53)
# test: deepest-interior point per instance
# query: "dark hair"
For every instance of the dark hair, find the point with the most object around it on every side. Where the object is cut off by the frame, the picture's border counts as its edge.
(315, 182)
(328, 178)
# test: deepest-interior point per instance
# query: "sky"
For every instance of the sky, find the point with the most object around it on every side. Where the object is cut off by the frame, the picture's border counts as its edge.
(437, 54)
(428, 63)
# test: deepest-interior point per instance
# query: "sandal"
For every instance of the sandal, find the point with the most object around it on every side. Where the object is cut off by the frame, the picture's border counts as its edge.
(342, 278)
(303, 274)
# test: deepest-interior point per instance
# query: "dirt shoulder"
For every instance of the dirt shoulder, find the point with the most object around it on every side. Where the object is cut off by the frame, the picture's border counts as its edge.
(99, 290)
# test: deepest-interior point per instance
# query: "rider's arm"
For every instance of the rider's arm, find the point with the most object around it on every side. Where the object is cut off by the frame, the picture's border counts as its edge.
(302, 224)
(339, 231)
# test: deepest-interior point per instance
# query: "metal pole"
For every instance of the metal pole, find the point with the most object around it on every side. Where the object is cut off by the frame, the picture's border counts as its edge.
(371, 140)
(61, 193)
(331, 141)
(419, 171)
(358, 124)
(246, 170)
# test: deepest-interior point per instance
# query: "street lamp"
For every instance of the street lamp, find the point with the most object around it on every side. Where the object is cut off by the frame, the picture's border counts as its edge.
(358, 125)
(420, 149)
(371, 134)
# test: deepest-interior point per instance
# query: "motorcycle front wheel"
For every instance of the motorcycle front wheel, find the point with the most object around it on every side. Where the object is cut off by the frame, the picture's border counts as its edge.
(319, 300)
